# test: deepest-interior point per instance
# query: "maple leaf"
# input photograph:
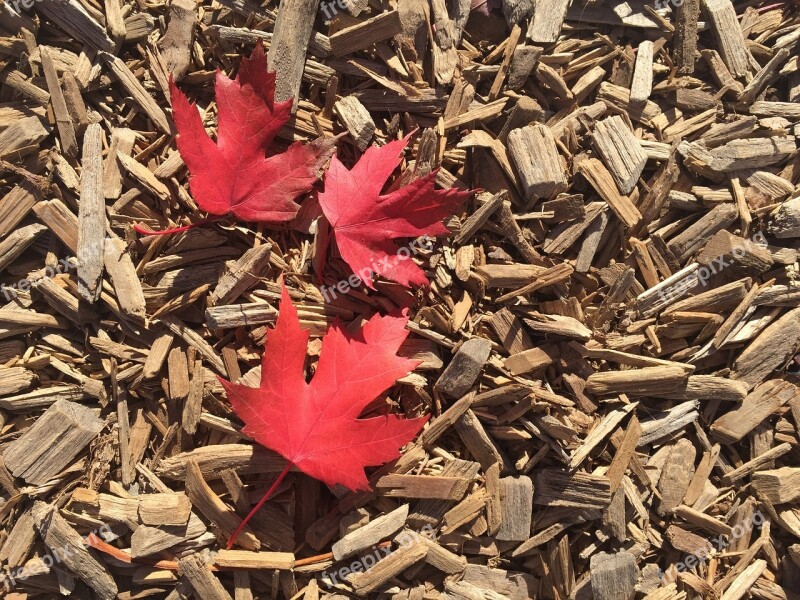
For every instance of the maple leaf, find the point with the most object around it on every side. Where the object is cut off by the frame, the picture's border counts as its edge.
(364, 221)
(232, 174)
(315, 425)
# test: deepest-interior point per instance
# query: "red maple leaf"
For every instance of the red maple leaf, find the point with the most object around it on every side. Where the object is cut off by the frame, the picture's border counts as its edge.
(232, 174)
(315, 425)
(365, 222)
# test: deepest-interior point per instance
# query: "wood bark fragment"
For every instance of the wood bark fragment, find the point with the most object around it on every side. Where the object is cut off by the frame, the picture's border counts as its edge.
(91, 216)
(52, 442)
(68, 545)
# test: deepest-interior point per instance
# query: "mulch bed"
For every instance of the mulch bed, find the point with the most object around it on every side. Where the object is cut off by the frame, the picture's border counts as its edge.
(608, 342)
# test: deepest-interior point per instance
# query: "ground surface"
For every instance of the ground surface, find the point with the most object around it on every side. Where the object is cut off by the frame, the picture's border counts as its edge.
(624, 419)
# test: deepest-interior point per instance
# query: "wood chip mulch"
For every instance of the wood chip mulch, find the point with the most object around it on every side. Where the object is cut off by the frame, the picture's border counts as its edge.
(609, 340)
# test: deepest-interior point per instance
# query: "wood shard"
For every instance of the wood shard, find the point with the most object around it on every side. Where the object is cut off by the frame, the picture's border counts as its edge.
(465, 368)
(533, 150)
(52, 442)
(621, 152)
(614, 576)
(516, 508)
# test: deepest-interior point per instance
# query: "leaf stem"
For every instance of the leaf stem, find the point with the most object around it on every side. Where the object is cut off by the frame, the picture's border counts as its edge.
(261, 502)
(141, 230)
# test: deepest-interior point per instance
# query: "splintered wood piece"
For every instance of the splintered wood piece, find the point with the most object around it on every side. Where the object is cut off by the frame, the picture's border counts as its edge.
(548, 18)
(649, 381)
(531, 360)
(465, 511)
(241, 275)
(287, 52)
(178, 372)
(621, 152)
(394, 564)
(244, 559)
(763, 77)
(728, 33)
(614, 576)
(523, 62)
(511, 44)
(510, 331)
(15, 244)
(70, 547)
(370, 534)
(685, 38)
(203, 581)
(60, 220)
(361, 35)
(66, 129)
(745, 581)
(676, 475)
(193, 408)
(176, 45)
(127, 286)
(604, 428)
(477, 441)
(686, 541)
(52, 442)
(195, 340)
(446, 420)
(626, 450)
(785, 222)
(755, 153)
(478, 218)
(422, 486)
(143, 175)
(464, 368)
(511, 585)
(441, 558)
(122, 140)
(706, 387)
(577, 490)
(672, 420)
(21, 134)
(215, 459)
(356, 120)
(533, 150)
(72, 17)
(91, 216)
(104, 506)
(17, 546)
(146, 541)
(603, 182)
(697, 235)
(15, 206)
(514, 234)
(762, 460)
(139, 95)
(164, 509)
(214, 509)
(759, 405)
(778, 486)
(444, 42)
(642, 82)
(516, 508)
(773, 347)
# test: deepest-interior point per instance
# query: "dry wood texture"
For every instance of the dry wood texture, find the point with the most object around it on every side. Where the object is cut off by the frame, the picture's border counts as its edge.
(608, 345)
